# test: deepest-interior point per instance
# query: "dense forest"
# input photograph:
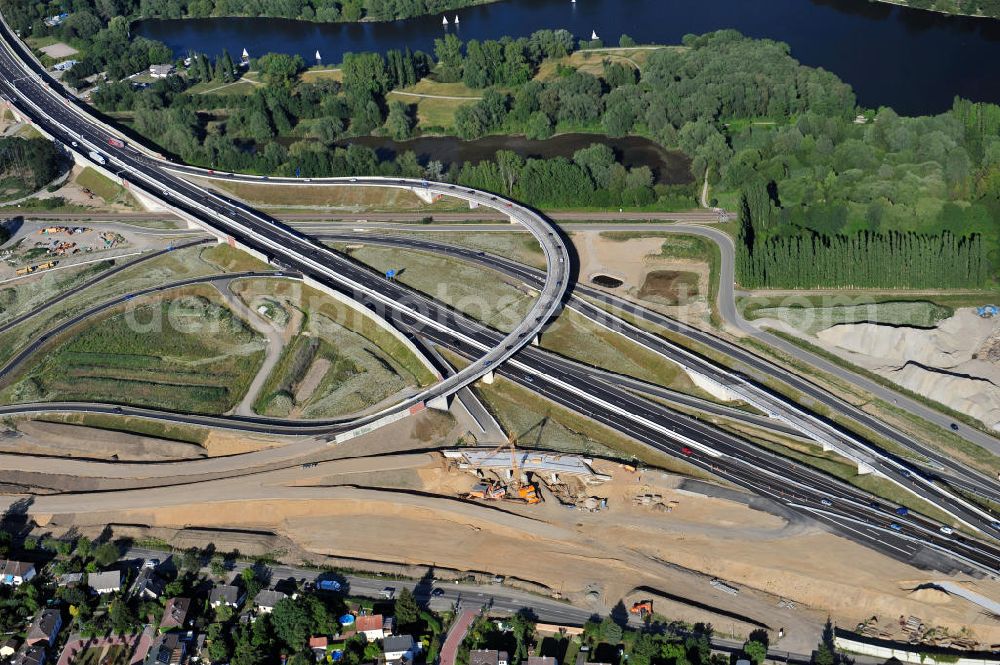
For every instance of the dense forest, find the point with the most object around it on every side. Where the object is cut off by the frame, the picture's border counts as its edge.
(86, 12)
(837, 179)
(26, 165)
(971, 7)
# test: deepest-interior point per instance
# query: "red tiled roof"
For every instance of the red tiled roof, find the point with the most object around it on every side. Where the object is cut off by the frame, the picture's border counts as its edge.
(368, 622)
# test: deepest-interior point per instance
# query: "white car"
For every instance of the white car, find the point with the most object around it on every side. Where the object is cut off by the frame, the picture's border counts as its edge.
(946, 530)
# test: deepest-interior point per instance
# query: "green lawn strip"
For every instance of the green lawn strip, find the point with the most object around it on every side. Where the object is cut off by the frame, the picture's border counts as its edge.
(541, 423)
(828, 462)
(480, 293)
(102, 186)
(22, 298)
(231, 259)
(933, 435)
(775, 385)
(182, 351)
(132, 425)
(813, 318)
(515, 245)
(177, 265)
(574, 336)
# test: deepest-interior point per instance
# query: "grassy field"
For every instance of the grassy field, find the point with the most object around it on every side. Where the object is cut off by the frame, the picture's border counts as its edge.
(182, 351)
(32, 292)
(517, 245)
(481, 293)
(322, 73)
(355, 199)
(433, 111)
(153, 428)
(366, 362)
(101, 186)
(576, 337)
(176, 265)
(231, 259)
(810, 319)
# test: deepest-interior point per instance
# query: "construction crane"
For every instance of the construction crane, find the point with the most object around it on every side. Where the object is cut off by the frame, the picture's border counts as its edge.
(517, 489)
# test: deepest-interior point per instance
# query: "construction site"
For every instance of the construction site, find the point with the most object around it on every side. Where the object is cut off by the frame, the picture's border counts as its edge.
(509, 474)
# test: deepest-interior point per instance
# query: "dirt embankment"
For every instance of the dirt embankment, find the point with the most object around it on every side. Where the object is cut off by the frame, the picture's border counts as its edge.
(388, 509)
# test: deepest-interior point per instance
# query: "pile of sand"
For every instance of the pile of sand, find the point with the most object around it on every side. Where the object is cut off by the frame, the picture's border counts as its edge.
(950, 364)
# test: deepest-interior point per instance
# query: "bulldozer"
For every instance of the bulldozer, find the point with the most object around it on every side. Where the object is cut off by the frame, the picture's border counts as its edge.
(643, 608)
(517, 488)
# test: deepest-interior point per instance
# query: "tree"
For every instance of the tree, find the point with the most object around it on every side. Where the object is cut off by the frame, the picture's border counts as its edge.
(279, 68)
(407, 611)
(755, 651)
(106, 554)
(399, 123)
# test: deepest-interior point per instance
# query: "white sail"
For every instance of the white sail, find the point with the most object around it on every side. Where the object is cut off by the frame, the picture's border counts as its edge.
(456, 19)
(593, 34)
(246, 56)
(317, 55)
(444, 20)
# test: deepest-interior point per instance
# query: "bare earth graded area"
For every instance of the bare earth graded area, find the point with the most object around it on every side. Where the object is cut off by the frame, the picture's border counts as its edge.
(675, 542)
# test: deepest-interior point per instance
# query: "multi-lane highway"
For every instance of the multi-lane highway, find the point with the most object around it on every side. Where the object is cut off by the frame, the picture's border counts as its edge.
(843, 507)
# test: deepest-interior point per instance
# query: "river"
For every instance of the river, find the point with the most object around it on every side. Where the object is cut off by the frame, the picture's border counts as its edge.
(914, 61)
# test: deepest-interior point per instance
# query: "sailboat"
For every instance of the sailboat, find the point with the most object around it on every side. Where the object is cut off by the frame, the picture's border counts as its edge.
(444, 20)
(319, 60)
(456, 19)
(246, 56)
(593, 35)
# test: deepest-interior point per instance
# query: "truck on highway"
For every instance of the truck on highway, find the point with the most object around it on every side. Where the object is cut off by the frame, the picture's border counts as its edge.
(116, 143)
(97, 157)
(902, 512)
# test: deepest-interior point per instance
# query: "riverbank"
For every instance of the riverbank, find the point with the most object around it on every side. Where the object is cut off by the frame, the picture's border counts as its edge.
(935, 10)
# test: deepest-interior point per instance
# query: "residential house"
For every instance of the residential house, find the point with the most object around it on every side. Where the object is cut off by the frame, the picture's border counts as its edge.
(372, 626)
(108, 581)
(16, 573)
(267, 599)
(161, 71)
(147, 585)
(167, 649)
(70, 579)
(225, 594)
(10, 647)
(45, 627)
(487, 657)
(399, 649)
(542, 660)
(175, 614)
(318, 645)
(30, 655)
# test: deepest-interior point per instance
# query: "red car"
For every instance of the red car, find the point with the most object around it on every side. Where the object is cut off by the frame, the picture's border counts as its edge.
(687, 451)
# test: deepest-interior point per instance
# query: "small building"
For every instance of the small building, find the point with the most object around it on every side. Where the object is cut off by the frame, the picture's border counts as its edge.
(10, 647)
(267, 599)
(70, 579)
(487, 657)
(30, 655)
(45, 627)
(225, 594)
(175, 614)
(16, 573)
(53, 21)
(64, 66)
(372, 626)
(541, 660)
(161, 71)
(318, 645)
(399, 649)
(108, 581)
(167, 649)
(147, 585)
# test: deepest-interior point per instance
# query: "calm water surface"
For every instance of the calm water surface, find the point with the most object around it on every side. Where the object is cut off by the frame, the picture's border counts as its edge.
(911, 60)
